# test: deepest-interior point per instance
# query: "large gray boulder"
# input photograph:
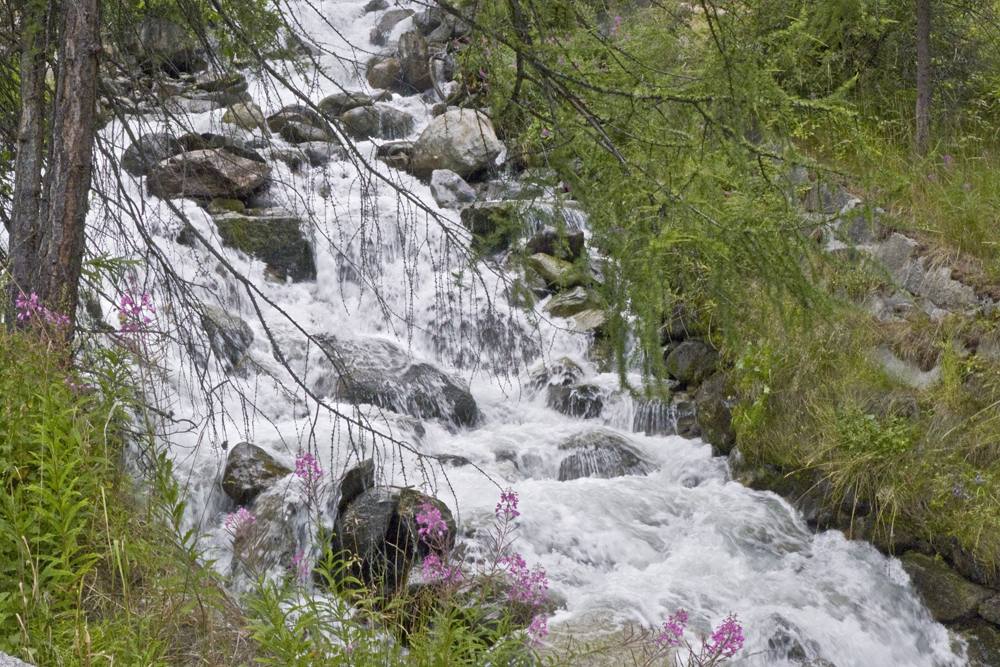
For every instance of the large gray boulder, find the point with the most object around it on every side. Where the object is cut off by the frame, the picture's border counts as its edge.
(377, 371)
(148, 151)
(450, 190)
(378, 121)
(384, 74)
(249, 472)
(600, 453)
(245, 115)
(339, 103)
(691, 362)
(208, 174)
(576, 400)
(462, 140)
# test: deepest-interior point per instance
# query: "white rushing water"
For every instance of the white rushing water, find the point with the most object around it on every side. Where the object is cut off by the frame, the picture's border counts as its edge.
(623, 550)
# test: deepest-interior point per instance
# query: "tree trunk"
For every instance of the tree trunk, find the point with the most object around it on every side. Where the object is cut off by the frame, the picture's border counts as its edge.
(61, 241)
(923, 130)
(24, 223)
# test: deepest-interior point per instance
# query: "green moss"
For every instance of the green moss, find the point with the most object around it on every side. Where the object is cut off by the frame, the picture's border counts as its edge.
(277, 241)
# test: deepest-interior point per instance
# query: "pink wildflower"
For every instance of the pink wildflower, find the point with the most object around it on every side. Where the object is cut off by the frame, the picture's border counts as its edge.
(727, 639)
(307, 467)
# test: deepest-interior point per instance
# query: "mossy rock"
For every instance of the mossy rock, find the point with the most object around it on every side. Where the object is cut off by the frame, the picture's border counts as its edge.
(494, 225)
(275, 240)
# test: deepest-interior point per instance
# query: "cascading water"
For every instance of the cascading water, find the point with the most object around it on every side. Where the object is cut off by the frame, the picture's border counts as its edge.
(634, 548)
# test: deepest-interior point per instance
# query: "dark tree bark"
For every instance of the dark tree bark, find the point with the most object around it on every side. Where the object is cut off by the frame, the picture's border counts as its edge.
(61, 242)
(47, 227)
(24, 222)
(923, 129)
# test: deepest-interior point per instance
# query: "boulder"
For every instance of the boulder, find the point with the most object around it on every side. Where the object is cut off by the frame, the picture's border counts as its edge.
(949, 597)
(380, 33)
(229, 336)
(274, 238)
(990, 609)
(600, 453)
(217, 81)
(560, 373)
(378, 121)
(294, 113)
(428, 20)
(564, 244)
(148, 151)
(587, 321)
(208, 140)
(654, 416)
(567, 304)
(396, 154)
(271, 543)
(208, 174)
(450, 190)
(461, 140)
(247, 116)
(249, 472)
(355, 482)
(163, 44)
(494, 225)
(578, 400)
(376, 6)
(442, 73)
(299, 133)
(320, 153)
(339, 103)
(378, 540)
(377, 371)
(714, 401)
(691, 362)
(555, 272)
(384, 73)
(413, 59)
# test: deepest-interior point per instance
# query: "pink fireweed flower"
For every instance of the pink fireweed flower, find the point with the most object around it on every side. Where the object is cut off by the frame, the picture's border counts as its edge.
(527, 586)
(434, 569)
(673, 629)
(307, 467)
(432, 527)
(507, 507)
(727, 639)
(300, 567)
(545, 133)
(28, 307)
(537, 630)
(239, 522)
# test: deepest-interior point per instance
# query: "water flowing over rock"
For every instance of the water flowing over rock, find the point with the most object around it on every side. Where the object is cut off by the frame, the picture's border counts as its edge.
(948, 596)
(249, 472)
(377, 371)
(229, 337)
(379, 121)
(450, 190)
(275, 238)
(462, 141)
(579, 400)
(600, 453)
(380, 33)
(208, 174)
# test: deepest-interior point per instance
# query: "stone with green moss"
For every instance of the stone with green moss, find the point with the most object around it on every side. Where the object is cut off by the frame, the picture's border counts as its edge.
(276, 240)
(249, 472)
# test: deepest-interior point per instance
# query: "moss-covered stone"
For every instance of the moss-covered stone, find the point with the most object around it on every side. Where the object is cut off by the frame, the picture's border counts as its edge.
(275, 240)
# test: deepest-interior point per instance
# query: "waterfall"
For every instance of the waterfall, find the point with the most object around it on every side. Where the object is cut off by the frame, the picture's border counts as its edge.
(393, 280)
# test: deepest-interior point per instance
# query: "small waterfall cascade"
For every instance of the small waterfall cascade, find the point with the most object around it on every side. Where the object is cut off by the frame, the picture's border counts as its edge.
(628, 532)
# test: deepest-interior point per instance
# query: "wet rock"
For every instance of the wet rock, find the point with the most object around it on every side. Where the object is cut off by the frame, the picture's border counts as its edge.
(579, 400)
(494, 225)
(300, 133)
(229, 336)
(208, 174)
(378, 536)
(274, 238)
(442, 72)
(208, 141)
(589, 321)
(380, 33)
(450, 190)
(990, 609)
(384, 73)
(948, 596)
(413, 59)
(576, 300)
(339, 103)
(355, 482)
(685, 415)
(654, 416)
(376, 371)
(379, 121)
(462, 140)
(148, 151)
(294, 113)
(163, 44)
(714, 401)
(272, 538)
(428, 20)
(555, 272)
(249, 472)
(247, 116)
(563, 244)
(983, 644)
(396, 154)
(691, 362)
(560, 373)
(376, 6)
(600, 453)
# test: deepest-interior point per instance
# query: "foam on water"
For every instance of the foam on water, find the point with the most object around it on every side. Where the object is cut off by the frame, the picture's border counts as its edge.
(623, 550)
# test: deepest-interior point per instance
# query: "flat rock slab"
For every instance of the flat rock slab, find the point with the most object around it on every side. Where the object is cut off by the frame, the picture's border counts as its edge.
(208, 174)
